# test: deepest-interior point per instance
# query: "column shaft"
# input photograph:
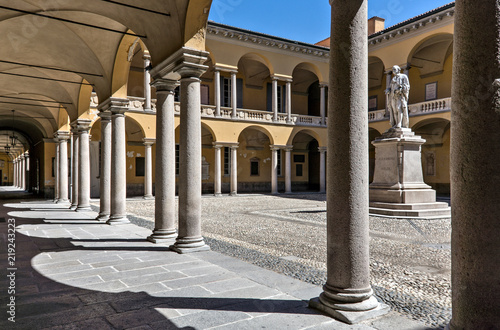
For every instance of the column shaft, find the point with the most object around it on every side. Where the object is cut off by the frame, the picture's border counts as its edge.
(289, 102)
(274, 98)
(56, 170)
(147, 82)
(83, 166)
(322, 105)
(347, 291)
(63, 171)
(165, 208)
(475, 155)
(105, 175)
(234, 171)
(218, 170)
(148, 171)
(274, 170)
(190, 239)
(118, 212)
(217, 92)
(74, 176)
(23, 172)
(234, 96)
(288, 170)
(322, 170)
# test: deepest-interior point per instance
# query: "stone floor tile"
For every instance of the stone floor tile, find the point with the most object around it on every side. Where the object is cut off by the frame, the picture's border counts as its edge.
(152, 278)
(230, 284)
(198, 280)
(209, 319)
(135, 318)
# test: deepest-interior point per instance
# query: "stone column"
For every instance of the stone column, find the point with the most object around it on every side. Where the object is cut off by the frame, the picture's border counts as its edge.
(288, 169)
(388, 78)
(83, 126)
(118, 192)
(347, 294)
(148, 171)
(289, 101)
(217, 171)
(274, 98)
(62, 138)
(23, 172)
(217, 91)
(189, 238)
(475, 175)
(274, 169)
(165, 208)
(105, 175)
(234, 171)
(147, 81)
(14, 172)
(234, 94)
(322, 169)
(56, 170)
(74, 166)
(322, 104)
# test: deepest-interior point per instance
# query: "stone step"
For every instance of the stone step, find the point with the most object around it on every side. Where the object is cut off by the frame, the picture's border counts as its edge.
(427, 214)
(409, 206)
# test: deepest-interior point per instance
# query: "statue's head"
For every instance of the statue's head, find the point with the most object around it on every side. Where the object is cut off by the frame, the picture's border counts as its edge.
(396, 69)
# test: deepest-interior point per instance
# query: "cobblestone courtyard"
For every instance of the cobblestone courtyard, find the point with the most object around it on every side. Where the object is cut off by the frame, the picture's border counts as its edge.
(410, 259)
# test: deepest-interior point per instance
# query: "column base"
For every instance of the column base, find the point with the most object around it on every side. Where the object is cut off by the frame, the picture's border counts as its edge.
(351, 317)
(233, 194)
(83, 209)
(218, 195)
(189, 245)
(102, 217)
(62, 201)
(148, 197)
(120, 220)
(162, 236)
(73, 207)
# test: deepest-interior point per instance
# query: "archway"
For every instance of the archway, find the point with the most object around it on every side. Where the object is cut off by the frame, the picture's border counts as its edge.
(305, 163)
(306, 90)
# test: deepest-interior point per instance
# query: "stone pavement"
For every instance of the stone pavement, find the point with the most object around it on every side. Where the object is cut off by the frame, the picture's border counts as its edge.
(71, 272)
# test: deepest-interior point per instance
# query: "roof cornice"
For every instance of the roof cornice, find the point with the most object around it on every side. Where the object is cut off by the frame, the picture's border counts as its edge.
(265, 40)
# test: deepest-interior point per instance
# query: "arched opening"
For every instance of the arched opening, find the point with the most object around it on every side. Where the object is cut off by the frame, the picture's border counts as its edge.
(305, 163)
(372, 135)
(305, 90)
(207, 160)
(376, 84)
(253, 77)
(254, 161)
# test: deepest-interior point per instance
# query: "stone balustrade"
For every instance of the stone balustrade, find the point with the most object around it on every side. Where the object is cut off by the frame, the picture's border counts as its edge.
(416, 109)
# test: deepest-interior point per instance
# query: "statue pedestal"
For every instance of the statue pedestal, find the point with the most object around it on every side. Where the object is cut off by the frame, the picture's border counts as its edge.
(398, 188)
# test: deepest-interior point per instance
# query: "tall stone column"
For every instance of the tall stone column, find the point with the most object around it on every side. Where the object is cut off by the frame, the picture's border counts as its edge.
(165, 208)
(56, 170)
(105, 175)
(23, 172)
(217, 170)
(322, 169)
(83, 126)
(274, 98)
(14, 172)
(217, 91)
(147, 81)
(118, 192)
(347, 294)
(74, 164)
(234, 171)
(234, 94)
(148, 171)
(322, 103)
(289, 101)
(190, 239)
(475, 175)
(62, 138)
(288, 169)
(274, 169)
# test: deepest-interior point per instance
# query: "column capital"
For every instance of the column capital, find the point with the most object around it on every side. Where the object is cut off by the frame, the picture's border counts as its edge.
(82, 125)
(226, 144)
(281, 77)
(115, 105)
(165, 85)
(323, 85)
(322, 149)
(146, 56)
(105, 115)
(225, 68)
(149, 141)
(61, 135)
(278, 147)
(184, 63)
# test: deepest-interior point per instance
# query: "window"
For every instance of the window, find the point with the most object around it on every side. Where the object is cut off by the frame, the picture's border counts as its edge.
(299, 158)
(225, 92)
(298, 169)
(177, 94)
(278, 162)
(227, 160)
(254, 167)
(281, 98)
(204, 91)
(176, 159)
(140, 166)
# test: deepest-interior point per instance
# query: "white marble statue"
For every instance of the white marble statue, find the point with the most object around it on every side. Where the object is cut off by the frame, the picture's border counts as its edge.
(397, 100)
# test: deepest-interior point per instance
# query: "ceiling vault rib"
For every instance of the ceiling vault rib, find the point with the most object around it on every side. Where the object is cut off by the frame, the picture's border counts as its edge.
(33, 105)
(135, 7)
(426, 59)
(72, 22)
(44, 78)
(28, 99)
(51, 68)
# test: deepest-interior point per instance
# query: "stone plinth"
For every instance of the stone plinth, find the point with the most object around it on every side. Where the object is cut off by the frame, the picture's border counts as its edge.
(398, 187)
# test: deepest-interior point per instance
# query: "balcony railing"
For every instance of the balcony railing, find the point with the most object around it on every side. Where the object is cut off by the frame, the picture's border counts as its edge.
(416, 109)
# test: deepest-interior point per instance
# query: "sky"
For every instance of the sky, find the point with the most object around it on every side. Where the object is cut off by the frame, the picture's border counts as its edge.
(307, 20)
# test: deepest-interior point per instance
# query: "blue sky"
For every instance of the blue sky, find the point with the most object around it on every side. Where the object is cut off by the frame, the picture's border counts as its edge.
(306, 20)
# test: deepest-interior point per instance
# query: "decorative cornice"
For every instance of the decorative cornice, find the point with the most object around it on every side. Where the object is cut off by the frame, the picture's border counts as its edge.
(185, 62)
(242, 35)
